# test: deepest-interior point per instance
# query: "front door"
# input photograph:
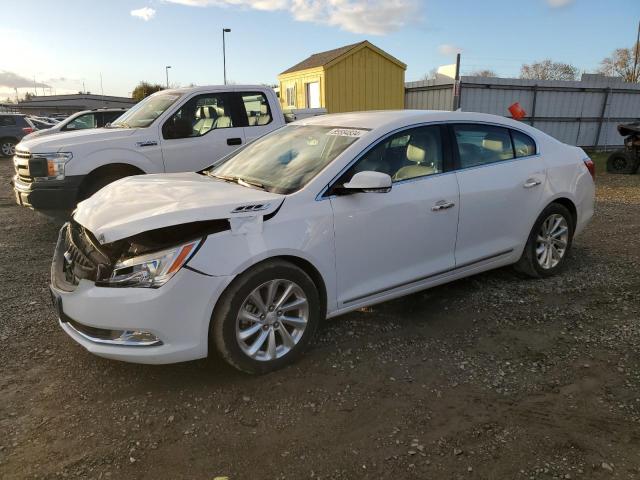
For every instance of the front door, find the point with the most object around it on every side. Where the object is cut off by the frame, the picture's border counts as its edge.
(387, 241)
(501, 181)
(205, 129)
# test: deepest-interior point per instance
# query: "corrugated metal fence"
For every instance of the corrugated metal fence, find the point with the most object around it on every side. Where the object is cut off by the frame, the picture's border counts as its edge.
(583, 113)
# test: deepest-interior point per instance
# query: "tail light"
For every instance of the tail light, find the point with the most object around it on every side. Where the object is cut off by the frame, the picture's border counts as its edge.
(27, 130)
(590, 166)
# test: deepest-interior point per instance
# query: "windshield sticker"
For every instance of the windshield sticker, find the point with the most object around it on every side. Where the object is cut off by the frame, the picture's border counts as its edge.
(346, 132)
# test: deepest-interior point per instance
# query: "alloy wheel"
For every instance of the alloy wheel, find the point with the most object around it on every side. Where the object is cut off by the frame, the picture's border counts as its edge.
(552, 240)
(8, 149)
(272, 320)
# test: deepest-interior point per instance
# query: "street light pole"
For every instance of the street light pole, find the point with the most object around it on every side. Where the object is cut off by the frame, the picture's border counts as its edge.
(166, 71)
(224, 55)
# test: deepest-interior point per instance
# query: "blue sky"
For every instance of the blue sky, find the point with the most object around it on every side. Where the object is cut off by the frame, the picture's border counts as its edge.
(63, 43)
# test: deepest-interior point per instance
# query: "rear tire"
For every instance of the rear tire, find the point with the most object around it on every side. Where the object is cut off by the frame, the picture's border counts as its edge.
(8, 147)
(548, 244)
(622, 162)
(259, 339)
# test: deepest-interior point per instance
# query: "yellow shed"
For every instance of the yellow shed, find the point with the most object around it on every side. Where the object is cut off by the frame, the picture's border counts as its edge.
(347, 79)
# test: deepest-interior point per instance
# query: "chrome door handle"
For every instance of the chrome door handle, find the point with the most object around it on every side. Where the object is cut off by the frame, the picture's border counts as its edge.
(532, 182)
(442, 205)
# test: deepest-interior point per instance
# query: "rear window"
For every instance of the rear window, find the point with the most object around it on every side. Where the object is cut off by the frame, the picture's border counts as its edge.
(523, 145)
(482, 144)
(7, 120)
(257, 109)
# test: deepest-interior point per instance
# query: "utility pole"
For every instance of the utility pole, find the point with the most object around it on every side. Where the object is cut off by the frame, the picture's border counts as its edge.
(224, 54)
(166, 71)
(456, 85)
(636, 74)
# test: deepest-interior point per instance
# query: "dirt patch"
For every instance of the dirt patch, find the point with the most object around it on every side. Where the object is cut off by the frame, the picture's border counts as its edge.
(489, 377)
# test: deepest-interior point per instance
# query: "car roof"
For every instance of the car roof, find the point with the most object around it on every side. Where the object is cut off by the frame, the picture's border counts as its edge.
(399, 118)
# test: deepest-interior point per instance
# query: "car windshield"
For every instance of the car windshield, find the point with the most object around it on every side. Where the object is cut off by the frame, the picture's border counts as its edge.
(144, 113)
(286, 160)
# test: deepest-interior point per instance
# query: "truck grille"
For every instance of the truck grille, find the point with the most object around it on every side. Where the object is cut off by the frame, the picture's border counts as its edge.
(21, 165)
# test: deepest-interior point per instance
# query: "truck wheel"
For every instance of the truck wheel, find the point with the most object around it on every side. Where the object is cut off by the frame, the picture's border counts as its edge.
(8, 147)
(622, 162)
(266, 317)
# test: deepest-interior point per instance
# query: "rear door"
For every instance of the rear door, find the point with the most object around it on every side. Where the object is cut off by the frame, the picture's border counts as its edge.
(205, 128)
(386, 241)
(501, 178)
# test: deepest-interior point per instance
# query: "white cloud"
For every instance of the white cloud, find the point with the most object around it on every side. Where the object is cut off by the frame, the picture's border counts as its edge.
(376, 17)
(558, 3)
(15, 80)
(448, 49)
(145, 13)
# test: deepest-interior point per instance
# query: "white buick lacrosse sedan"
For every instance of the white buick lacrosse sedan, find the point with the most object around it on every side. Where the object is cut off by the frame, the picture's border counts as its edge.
(316, 219)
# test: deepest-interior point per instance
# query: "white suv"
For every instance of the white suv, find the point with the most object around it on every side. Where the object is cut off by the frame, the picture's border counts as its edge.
(316, 219)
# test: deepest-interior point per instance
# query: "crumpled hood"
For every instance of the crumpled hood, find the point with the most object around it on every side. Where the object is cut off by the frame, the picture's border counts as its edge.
(70, 141)
(141, 203)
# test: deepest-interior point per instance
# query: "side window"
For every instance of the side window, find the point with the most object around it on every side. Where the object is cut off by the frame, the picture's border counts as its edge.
(199, 116)
(523, 144)
(88, 120)
(256, 107)
(409, 154)
(108, 117)
(482, 144)
(7, 121)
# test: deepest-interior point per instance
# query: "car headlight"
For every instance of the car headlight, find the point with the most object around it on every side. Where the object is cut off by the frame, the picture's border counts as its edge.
(152, 270)
(49, 166)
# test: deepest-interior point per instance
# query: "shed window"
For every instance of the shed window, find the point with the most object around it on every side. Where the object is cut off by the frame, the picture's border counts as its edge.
(291, 96)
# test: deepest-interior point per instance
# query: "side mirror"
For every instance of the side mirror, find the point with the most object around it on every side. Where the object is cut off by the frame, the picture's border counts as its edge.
(369, 181)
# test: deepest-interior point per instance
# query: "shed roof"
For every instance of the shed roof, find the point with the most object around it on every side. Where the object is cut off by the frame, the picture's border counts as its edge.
(324, 58)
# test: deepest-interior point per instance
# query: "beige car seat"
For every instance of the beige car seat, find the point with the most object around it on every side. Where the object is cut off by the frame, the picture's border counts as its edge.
(422, 151)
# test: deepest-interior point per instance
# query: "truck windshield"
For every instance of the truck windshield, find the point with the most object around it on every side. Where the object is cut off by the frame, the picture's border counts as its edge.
(146, 111)
(286, 160)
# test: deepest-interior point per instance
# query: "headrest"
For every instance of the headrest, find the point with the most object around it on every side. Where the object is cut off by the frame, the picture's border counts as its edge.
(417, 149)
(494, 143)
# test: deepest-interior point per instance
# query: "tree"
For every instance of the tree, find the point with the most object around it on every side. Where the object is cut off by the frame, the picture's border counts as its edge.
(483, 73)
(144, 89)
(548, 70)
(430, 75)
(622, 63)
(28, 96)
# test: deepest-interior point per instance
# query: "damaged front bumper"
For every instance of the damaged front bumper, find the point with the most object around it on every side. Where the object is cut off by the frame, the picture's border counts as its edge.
(142, 325)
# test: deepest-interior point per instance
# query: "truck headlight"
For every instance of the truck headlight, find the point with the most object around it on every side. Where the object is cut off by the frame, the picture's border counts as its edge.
(152, 270)
(49, 166)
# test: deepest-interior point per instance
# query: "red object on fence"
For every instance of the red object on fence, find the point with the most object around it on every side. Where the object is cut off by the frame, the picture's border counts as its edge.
(517, 112)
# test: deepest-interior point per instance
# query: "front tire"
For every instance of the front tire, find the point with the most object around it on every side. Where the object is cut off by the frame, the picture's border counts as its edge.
(266, 317)
(548, 244)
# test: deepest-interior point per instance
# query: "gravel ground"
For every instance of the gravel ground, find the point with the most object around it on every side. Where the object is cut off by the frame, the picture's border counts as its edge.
(490, 377)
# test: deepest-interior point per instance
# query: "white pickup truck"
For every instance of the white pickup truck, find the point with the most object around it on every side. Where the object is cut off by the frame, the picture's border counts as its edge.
(176, 130)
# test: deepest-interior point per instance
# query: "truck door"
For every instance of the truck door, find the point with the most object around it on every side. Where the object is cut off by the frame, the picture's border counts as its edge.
(205, 128)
